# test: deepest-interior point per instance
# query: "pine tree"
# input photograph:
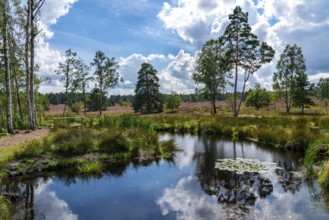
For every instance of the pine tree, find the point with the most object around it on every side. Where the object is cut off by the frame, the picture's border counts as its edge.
(244, 50)
(300, 94)
(147, 98)
(322, 88)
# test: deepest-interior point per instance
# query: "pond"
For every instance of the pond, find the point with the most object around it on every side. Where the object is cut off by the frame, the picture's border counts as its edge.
(189, 187)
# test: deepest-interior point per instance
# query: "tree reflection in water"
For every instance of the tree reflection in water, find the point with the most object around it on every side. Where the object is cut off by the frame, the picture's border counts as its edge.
(192, 188)
(238, 193)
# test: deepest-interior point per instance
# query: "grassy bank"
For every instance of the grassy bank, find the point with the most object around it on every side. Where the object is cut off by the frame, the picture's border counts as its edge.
(87, 149)
(291, 133)
(124, 138)
(304, 134)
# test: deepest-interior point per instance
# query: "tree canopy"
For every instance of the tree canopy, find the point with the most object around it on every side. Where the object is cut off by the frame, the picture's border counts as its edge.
(147, 95)
(106, 75)
(211, 71)
(245, 51)
(173, 101)
(290, 79)
(258, 97)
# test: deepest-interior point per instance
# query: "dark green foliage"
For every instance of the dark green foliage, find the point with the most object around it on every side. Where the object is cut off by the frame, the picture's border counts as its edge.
(258, 97)
(290, 80)
(147, 98)
(121, 98)
(93, 103)
(322, 88)
(301, 92)
(244, 50)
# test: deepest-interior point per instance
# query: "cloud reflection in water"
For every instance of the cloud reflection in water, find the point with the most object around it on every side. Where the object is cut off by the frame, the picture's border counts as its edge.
(188, 200)
(49, 206)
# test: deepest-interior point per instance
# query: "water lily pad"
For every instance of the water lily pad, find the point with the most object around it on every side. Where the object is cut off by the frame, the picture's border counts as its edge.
(242, 165)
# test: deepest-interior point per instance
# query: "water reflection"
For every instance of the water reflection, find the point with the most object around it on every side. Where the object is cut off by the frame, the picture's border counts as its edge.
(190, 187)
(189, 202)
(26, 196)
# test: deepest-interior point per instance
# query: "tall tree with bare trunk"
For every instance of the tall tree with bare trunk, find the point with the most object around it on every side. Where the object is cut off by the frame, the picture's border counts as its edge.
(5, 43)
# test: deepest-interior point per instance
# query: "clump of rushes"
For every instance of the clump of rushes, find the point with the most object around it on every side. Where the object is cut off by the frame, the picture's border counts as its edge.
(318, 149)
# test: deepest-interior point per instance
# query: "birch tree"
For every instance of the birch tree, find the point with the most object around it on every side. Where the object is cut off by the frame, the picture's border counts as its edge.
(5, 44)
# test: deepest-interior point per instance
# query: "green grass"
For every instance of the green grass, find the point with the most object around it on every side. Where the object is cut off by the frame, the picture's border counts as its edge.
(128, 137)
(4, 208)
(317, 151)
(324, 175)
(70, 147)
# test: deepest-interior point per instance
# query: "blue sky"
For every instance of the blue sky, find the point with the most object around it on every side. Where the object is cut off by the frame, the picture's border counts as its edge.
(168, 34)
(117, 29)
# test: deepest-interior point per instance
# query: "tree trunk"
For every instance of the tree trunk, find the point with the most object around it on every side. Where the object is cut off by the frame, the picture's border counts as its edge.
(27, 66)
(214, 111)
(2, 115)
(18, 97)
(236, 73)
(84, 100)
(287, 98)
(32, 39)
(247, 75)
(101, 102)
(65, 101)
(7, 68)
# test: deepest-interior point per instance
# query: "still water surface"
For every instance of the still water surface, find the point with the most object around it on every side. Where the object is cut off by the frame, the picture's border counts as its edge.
(190, 187)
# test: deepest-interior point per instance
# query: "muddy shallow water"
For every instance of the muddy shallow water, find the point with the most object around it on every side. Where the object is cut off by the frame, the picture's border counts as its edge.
(190, 187)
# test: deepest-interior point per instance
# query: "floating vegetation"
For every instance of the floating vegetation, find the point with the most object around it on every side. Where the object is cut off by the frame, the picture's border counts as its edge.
(242, 165)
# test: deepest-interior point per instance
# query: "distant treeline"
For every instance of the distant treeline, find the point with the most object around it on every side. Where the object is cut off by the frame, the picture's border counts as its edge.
(59, 98)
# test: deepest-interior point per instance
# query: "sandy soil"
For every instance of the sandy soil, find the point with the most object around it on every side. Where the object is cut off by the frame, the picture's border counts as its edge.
(22, 137)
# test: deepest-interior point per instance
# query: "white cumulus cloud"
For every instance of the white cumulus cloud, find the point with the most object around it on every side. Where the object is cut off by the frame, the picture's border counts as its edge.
(46, 57)
(278, 22)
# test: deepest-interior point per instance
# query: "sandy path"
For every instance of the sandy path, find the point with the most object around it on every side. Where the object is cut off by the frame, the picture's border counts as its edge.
(21, 138)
